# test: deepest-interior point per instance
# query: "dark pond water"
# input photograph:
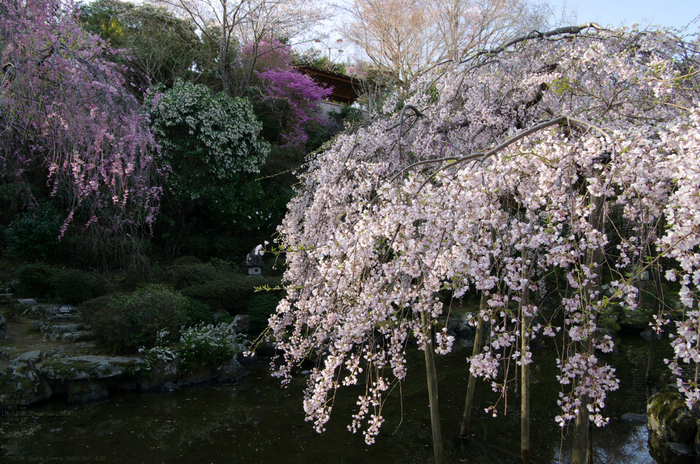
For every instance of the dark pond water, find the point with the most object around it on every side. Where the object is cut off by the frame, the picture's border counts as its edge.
(257, 421)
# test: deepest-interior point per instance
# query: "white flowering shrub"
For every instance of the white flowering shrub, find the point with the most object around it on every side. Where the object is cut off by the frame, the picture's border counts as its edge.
(208, 346)
(209, 144)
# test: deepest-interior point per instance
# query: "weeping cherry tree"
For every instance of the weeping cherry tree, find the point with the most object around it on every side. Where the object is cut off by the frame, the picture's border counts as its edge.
(501, 175)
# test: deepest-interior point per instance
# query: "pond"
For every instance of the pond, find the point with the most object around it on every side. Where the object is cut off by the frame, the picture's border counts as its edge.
(257, 421)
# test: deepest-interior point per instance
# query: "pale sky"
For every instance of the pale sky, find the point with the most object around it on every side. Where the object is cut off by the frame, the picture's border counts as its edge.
(666, 13)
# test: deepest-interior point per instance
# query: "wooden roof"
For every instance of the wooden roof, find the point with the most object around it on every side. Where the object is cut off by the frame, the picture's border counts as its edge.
(346, 89)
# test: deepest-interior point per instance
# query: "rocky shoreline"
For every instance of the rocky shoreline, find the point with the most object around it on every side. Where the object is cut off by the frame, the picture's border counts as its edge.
(72, 369)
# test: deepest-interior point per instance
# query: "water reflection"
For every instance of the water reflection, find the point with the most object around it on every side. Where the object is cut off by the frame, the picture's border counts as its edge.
(257, 421)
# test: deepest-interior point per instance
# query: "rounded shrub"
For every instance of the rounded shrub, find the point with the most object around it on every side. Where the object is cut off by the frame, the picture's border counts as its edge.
(188, 275)
(34, 234)
(187, 259)
(73, 286)
(260, 308)
(127, 322)
(35, 280)
(198, 312)
(229, 294)
(208, 346)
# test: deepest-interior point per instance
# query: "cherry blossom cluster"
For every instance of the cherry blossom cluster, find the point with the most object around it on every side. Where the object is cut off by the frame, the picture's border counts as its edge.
(519, 174)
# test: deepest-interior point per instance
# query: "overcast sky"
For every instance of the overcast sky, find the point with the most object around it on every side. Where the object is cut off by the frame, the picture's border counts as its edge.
(667, 13)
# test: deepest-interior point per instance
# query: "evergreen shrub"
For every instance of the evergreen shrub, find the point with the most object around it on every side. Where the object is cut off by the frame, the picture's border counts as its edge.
(124, 323)
(231, 293)
(187, 259)
(198, 312)
(34, 280)
(194, 274)
(73, 286)
(260, 308)
(34, 234)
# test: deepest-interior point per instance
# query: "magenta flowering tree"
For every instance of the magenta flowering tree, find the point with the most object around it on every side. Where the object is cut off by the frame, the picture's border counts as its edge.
(261, 56)
(66, 117)
(290, 97)
(296, 96)
(508, 174)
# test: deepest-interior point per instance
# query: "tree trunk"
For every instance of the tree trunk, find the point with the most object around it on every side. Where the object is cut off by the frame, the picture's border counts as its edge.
(657, 310)
(466, 415)
(525, 322)
(656, 273)
(431, 373)
(580, 453)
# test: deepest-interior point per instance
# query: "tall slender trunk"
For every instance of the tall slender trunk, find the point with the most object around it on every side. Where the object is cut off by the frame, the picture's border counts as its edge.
(581, 451)
(466, 415)
(657, 310)
(525, 322)
(655, 270)
(524, 395)
(431, 373)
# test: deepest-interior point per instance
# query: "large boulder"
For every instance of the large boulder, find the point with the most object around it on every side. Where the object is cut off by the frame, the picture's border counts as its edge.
(21, 384)
(232, 371)
(86, 391)
(241, 323)
(161, 372)
(90, 367)
(670, 419)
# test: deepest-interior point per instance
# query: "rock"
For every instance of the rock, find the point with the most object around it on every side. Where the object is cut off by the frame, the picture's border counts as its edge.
(241, 323)
(90, 367)
(608, 323)
(22, 385)
(194, 377)
(27, 301)
(87, 391)
(670, 419)
(63, 332)
(161, 372)
(58, 329)
(465, 342)
(647, 334)
(74, 337)
(251, 360)
(680, 449)
(128, 385)
(29, 356)
(65, 309)
(169, 387)
(635, 418)
(601, 332)
(266, 349)
(231, 372)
